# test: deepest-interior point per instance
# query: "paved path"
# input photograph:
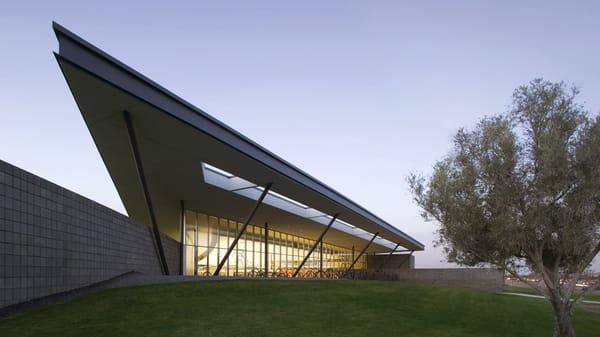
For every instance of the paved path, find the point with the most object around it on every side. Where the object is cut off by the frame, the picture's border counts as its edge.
(539, 296)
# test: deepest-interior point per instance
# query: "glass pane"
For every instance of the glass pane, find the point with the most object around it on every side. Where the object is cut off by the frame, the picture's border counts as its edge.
(189, 260)
(190, 227)
(202, 229)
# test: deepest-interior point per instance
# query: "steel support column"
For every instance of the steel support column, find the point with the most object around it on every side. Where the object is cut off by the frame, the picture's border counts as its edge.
(361, 254)
(315, 245)
(321, 259)
(243, 229)
(137, 159)
(266, 249)
(182, 239)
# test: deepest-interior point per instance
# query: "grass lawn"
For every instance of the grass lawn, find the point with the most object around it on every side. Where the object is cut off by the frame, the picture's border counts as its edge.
(529, 290)
(294, 308)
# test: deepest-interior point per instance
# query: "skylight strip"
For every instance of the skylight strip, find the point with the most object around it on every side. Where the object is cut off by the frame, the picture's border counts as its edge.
(232, 183)
(218, 170)
(297, 203)
(345, 223)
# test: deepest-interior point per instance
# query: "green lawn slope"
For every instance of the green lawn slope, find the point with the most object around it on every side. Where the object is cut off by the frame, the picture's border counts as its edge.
(294, 308)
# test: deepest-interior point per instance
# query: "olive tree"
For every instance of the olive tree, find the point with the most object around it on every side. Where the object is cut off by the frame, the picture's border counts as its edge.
(521, 191)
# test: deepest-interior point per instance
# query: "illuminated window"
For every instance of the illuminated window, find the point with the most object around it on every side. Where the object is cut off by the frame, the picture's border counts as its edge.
(207, 239)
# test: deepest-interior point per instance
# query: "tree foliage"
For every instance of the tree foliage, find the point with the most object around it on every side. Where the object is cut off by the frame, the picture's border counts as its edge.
(522, 189)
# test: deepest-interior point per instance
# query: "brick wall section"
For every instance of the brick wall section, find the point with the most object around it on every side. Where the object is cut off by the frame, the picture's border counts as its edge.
(54, 240)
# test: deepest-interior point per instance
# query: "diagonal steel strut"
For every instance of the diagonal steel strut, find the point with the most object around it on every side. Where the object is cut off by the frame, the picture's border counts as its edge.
(361, 254)
(315, 245)
(137, 160)
(388, 257)
(243, 229)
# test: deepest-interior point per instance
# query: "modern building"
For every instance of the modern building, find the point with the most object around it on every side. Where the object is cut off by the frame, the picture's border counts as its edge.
(216, 202)
(209, 187)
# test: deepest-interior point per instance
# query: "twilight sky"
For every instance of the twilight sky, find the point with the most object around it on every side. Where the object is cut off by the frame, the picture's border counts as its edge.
(357, 93)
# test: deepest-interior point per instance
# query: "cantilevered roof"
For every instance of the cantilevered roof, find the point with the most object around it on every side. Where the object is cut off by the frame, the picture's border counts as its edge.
(192, 157)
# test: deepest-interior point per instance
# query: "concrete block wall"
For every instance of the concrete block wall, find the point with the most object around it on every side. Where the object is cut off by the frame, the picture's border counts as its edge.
(486, 279)
(396, 261)
(53, 240)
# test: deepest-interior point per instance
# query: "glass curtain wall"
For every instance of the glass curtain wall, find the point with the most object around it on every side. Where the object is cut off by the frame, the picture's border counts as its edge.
(207, 239)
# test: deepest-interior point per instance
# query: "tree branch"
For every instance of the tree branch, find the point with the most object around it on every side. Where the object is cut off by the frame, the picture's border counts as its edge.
(592, 255)
(577, 300)
(524, 280)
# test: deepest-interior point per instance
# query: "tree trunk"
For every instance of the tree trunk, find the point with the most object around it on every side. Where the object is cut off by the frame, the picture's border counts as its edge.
(563, 324)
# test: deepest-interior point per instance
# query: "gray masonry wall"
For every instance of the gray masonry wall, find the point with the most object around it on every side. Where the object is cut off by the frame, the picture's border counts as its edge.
(486, 279)
(53, 240)
(396, 261)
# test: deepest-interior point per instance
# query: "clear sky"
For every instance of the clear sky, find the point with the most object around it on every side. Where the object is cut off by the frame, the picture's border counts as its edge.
(357, 93)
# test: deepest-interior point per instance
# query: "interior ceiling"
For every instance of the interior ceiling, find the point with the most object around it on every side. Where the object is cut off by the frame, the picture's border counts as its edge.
(172, 153)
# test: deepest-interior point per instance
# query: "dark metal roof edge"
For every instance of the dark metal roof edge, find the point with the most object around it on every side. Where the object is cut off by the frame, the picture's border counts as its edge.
(60, 30)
